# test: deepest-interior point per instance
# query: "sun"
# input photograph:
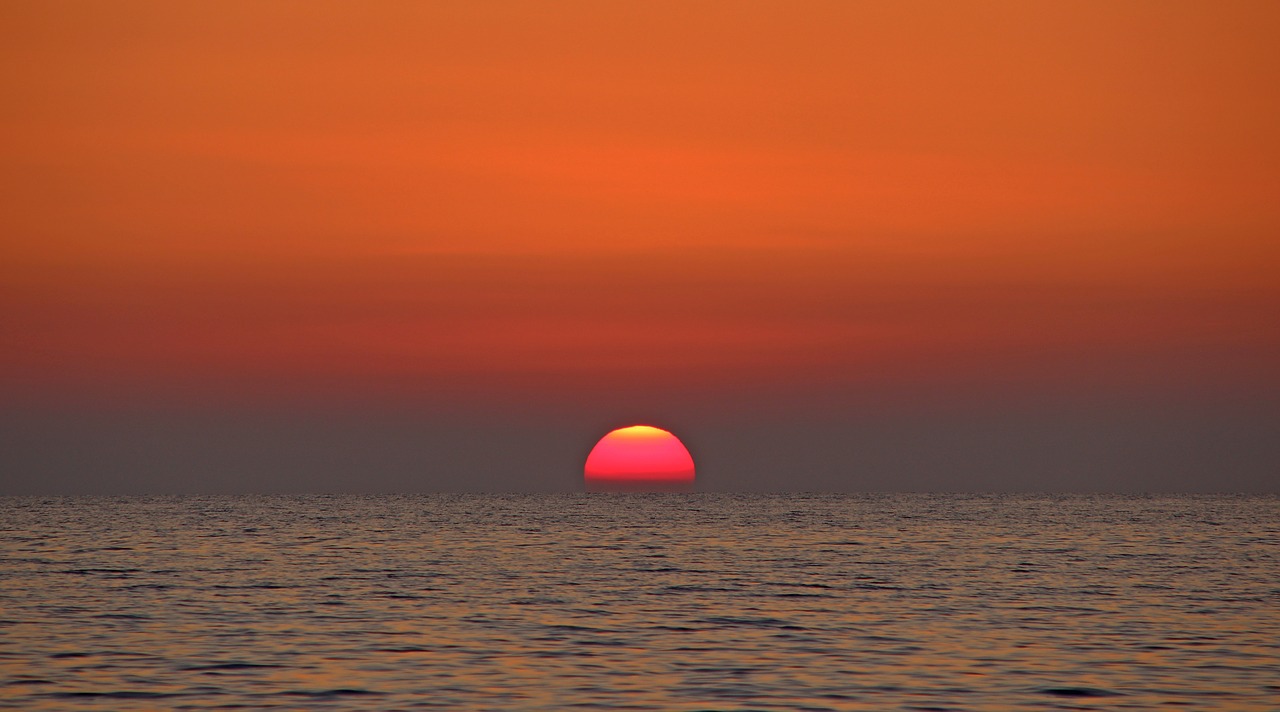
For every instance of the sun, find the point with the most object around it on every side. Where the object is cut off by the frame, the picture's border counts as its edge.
(639, 458)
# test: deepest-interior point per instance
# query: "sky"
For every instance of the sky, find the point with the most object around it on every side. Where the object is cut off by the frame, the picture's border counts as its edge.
(908, 246)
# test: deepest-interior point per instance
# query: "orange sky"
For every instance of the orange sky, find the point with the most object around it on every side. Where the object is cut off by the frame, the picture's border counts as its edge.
(558, 200)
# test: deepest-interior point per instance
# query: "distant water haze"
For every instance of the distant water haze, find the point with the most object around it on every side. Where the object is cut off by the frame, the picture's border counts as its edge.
(1125, 447)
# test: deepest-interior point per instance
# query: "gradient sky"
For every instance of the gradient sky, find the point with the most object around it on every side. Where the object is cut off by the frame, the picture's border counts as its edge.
(310, 246)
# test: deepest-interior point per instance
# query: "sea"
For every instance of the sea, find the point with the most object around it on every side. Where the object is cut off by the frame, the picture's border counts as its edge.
(641, 602)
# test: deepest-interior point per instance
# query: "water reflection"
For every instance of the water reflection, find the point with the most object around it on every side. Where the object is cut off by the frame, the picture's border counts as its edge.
(647, 601)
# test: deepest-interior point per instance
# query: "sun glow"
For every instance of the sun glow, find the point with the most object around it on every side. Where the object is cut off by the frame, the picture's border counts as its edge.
(639, 458)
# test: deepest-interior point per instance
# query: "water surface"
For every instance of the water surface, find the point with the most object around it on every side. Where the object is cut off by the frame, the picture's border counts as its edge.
(627, 601)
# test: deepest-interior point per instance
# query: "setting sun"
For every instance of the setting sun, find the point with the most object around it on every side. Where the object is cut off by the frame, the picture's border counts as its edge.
(639, 458)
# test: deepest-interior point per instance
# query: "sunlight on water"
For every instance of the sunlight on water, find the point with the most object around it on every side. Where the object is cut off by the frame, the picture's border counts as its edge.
(676, 602)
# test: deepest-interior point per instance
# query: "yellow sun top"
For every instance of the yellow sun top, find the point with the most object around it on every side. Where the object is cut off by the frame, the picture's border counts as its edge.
(640, 431)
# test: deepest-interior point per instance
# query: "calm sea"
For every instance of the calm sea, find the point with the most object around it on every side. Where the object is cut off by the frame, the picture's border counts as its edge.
(655, 602)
